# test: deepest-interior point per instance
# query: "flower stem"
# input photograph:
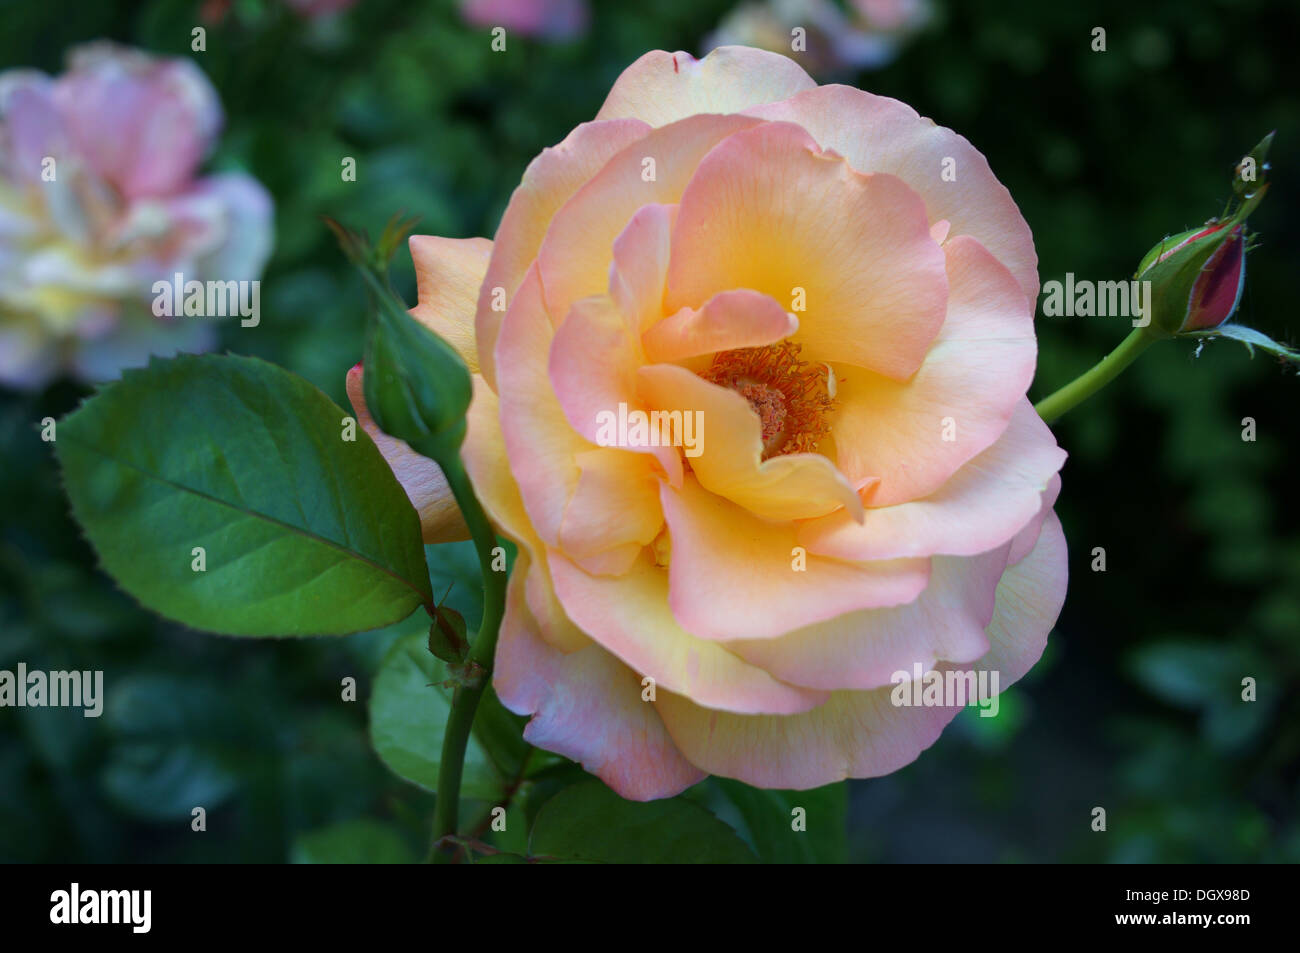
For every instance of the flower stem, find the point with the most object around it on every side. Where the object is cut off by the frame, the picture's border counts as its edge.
(465, 700)
(1097, 377)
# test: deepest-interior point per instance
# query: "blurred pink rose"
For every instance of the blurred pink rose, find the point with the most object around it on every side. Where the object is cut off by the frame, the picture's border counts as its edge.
(549, 19)
(99, 200)
(868, 490)
(835, 40)
(893, 16)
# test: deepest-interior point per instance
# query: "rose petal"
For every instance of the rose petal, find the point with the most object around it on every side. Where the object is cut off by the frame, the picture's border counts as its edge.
(614, 511)
(575, 256)
(661, 87)
(629, 616)
(420, 477)
(728, 320)
(987, 502)
(862, 650)
(1030, 598)
(484, 454)
(585, 705)
(972, 379)
(878, 134)
(239, 213)
(448, 274)
(766, 210)
(33, 126)
(535, 429)
(1025, 540)
(862, 734)
(548, 182)
(636, 275)
(532, 420)
(593, 363)
(853, 735)
(143, 124)
(734, 576)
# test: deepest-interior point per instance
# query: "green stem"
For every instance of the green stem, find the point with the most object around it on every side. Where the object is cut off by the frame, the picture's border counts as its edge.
(1093, 380)
(465, 700)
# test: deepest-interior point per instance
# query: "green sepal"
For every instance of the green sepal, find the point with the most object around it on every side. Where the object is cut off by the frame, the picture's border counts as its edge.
(447, 635)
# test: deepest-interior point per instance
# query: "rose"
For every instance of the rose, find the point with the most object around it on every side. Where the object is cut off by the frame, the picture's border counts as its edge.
(547, 19)
(1202, 279)
(842, 290)
(894, 16)
(99, 200)
(825, 37)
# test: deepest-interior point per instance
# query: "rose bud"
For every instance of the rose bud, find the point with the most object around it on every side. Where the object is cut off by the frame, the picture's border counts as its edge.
(416, 386)
(1196, 277)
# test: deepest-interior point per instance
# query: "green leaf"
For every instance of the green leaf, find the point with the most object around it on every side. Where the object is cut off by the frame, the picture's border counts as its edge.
(552, 776)
(361, 841)
(589, 823)
(408, 716)
(514, 839)
(769, 820)
(302, 532)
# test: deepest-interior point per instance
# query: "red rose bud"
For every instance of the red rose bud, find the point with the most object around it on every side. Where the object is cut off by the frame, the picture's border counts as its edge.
(1217, 291)
(1196, 277)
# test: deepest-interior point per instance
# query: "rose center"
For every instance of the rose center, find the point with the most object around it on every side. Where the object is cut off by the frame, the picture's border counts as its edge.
(790, 397)
(769, 404)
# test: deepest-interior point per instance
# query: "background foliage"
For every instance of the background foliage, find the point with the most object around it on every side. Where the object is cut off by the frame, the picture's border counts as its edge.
(1136, 705)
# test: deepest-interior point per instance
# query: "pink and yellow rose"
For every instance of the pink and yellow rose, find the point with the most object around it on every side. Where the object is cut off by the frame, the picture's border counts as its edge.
(842, 291)
(100, 199)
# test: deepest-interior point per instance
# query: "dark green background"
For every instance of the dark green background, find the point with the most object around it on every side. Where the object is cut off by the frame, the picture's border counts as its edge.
(1136, 706)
